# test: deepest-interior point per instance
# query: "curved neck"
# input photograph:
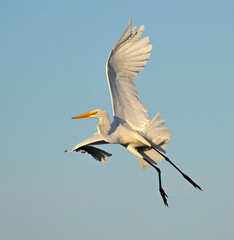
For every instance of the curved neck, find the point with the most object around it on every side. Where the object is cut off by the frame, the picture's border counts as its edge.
(104, 127)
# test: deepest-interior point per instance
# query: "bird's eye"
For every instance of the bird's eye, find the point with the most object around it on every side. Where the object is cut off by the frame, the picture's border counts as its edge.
(94, 113)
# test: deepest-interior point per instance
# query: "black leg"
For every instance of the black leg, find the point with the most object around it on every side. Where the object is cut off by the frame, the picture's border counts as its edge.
(184, 175)
(163, 194)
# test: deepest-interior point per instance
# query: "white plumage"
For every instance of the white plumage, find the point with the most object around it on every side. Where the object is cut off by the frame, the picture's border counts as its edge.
(131, 126)
(128, 57)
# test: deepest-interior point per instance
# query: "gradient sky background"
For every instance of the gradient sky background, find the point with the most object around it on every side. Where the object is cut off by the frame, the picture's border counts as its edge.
(53, 56)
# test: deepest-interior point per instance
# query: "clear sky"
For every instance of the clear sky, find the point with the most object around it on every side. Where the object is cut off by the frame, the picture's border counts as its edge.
(52, 58)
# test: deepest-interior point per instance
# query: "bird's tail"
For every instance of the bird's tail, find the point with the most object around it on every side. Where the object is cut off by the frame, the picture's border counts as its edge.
(159, 137)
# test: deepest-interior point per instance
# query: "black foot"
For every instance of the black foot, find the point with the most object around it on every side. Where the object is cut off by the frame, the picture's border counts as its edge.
(184, 175)
(191, 181)
(164, 196)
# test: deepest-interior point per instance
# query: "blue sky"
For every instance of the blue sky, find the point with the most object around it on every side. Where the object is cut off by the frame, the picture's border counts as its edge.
(53, 56)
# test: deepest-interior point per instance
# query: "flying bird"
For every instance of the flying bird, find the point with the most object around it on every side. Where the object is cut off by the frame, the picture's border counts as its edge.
(131, 126)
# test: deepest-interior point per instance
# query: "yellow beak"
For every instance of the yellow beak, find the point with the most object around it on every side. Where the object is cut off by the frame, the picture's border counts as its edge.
(85, 115)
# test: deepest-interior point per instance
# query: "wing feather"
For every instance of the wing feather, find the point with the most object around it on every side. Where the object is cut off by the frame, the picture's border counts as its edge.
(97, 153)
(128, 57)
(87, 146)
(96, 139)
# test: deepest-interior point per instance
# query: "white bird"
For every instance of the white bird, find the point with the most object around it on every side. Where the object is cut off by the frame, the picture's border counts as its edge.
(131, 126)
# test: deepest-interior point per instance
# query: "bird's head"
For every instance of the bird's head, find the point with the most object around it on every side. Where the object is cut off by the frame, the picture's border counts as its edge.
(98, 113)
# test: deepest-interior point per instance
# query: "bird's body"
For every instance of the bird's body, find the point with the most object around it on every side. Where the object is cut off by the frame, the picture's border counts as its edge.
(120, 132)
(131, 126)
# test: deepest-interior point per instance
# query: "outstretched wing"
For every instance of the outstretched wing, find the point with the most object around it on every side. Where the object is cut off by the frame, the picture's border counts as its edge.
(97, 153)
(87, 146)
(128, 57)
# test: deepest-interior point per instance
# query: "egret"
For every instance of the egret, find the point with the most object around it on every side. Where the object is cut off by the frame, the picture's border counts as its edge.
(131, 126)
